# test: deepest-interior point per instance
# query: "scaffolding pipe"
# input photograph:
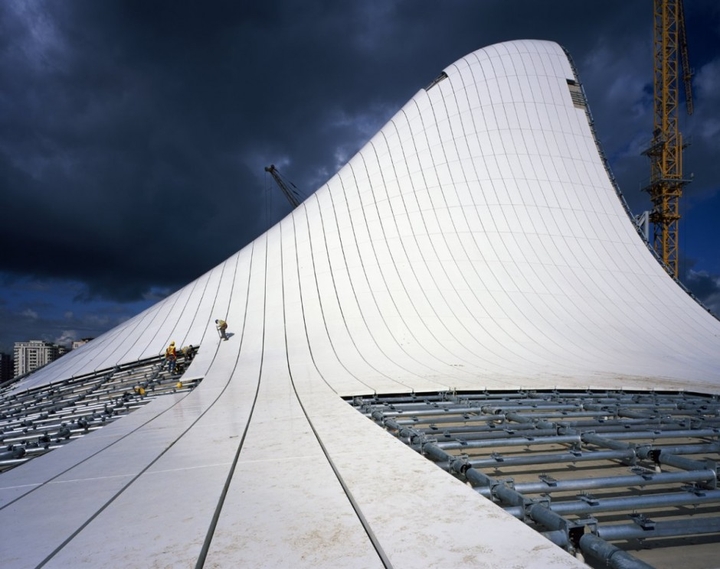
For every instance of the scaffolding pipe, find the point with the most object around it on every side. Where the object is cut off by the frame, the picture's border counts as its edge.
(691, 449)
(478, 479)
(660, 456)
(465, 417)
(593, 546)
(436, 453)
(565, 417)
(487, 429)
(524, 419)
(662, 434)
(558, 537)
(597, 440)
(416, 412)
(548, 518)
(518, 418)
(507, 495)
(535, 406)
(403, 432)
(557, 458)
(637, 413)
(677, 528)
(616, 481)
(625, 503)
(539, 440)
(499, 490)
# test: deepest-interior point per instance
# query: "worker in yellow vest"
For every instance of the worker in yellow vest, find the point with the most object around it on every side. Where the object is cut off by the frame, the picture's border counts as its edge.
(171, 357)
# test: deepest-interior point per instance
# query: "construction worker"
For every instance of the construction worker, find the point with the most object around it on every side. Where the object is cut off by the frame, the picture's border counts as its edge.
(171, 357)
(188, 353)
(221, 327)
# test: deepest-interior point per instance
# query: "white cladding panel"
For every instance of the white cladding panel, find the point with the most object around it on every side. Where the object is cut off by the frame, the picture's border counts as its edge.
(476, 241)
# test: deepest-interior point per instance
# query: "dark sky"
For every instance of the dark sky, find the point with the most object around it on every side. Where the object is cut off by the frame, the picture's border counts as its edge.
(134, 134)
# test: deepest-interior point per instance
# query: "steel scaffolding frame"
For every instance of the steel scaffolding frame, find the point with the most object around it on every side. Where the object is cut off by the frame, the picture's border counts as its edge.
(36, 421)
(647, 457)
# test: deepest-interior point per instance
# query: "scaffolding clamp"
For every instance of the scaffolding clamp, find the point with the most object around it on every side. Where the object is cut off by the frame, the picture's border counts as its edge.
(549, 480)
(588, 498)
(643, 521)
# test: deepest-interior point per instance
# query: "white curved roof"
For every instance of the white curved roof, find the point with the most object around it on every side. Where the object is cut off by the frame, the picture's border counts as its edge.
(476, 241)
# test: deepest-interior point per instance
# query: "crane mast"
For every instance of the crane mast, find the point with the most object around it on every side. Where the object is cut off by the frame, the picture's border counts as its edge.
(665, 151)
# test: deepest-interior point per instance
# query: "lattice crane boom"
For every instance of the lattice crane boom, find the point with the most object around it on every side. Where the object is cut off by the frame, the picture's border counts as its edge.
(287, 188)
(665, 151)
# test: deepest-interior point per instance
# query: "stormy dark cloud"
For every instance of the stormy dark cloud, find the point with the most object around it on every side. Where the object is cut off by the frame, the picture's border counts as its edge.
(134, 134)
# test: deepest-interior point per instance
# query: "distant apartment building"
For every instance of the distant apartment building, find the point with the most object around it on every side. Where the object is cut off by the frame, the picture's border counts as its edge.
(6, 368)
(34, 354)
(77, 343)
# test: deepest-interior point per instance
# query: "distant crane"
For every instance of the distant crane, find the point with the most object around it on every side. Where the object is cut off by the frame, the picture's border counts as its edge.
(288, 188)
(665, 150)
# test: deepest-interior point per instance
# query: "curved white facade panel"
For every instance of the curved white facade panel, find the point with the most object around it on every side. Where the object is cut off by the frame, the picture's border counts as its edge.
(476, 241)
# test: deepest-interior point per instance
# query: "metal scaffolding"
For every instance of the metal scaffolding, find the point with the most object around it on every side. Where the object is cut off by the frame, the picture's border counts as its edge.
(647, 457)
(36, 421)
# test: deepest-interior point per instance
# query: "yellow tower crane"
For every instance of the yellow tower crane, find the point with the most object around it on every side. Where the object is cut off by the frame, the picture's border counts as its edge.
(665, 151)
